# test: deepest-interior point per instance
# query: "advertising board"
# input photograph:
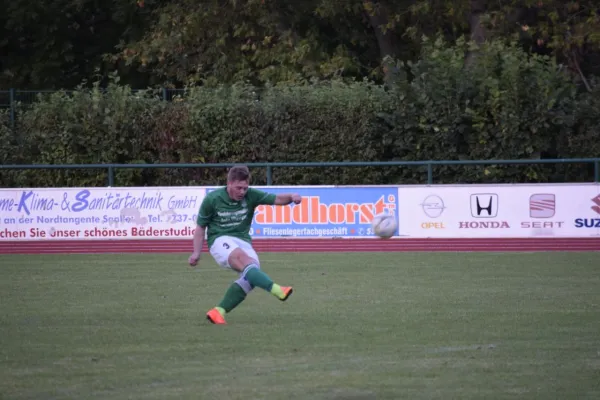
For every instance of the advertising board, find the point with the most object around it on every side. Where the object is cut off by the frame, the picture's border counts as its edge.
(437, 211)
(171, 212)
(99, 213)
(500, 211)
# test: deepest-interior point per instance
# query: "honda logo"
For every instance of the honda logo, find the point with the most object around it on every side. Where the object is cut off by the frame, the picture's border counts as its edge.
(484, 205)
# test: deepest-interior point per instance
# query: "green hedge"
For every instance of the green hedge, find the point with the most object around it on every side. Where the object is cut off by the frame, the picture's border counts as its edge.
(507, 105)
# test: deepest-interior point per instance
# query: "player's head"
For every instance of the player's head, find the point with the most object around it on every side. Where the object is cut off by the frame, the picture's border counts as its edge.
(238, 180)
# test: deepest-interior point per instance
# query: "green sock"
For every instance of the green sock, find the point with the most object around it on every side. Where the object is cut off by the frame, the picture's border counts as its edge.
(259, 279)
(233, 297)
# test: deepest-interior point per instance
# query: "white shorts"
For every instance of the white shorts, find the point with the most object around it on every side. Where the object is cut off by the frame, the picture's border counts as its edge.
(224, 245)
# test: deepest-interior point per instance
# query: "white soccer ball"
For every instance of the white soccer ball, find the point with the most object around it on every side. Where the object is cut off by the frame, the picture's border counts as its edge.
(384, 225)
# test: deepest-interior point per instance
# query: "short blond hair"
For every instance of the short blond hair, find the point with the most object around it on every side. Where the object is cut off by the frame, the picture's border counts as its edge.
(238, 173)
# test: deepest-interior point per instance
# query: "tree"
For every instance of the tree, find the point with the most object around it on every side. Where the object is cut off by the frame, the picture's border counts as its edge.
(568, 30)
(221, 41)
(59, 43)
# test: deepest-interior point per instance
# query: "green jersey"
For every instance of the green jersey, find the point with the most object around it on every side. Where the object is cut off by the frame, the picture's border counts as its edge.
(226, 217)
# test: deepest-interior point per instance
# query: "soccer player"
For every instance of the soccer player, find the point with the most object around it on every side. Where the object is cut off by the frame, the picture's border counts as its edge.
(227, 214)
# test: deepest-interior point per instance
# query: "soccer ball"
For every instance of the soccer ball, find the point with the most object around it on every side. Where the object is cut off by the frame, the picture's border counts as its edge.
(384, 225)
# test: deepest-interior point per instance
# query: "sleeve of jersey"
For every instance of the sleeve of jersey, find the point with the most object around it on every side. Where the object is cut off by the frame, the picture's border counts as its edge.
(259, 197)
(205, 213)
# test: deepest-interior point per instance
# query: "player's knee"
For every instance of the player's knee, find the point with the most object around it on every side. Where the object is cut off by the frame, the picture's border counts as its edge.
(238, 259)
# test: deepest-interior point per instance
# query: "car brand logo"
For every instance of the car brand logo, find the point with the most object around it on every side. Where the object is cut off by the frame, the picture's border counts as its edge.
(484, 205)
(542, 205)
(433, 206)
(596, 201)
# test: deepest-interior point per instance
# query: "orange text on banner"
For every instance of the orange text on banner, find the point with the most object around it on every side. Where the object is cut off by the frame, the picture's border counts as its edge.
(312, 211)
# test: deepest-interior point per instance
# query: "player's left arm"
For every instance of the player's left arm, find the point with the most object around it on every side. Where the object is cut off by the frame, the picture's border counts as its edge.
(258, 197)
(282, 199)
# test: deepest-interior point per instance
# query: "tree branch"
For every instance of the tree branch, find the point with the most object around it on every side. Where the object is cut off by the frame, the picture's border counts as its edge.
(573, 58)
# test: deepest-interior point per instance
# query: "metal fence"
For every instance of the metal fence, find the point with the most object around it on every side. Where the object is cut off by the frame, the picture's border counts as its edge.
(110, 168)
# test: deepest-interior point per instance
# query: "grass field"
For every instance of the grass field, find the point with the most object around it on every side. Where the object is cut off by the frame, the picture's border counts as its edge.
(359, 326)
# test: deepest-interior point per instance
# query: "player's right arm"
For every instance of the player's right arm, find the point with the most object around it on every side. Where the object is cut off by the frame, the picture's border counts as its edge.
(198, 242)
(205, 215)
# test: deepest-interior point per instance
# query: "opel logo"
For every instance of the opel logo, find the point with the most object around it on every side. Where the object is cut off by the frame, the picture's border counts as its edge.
(433, 206)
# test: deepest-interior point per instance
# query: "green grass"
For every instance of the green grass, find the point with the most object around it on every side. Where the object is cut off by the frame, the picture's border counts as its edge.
(359, 326)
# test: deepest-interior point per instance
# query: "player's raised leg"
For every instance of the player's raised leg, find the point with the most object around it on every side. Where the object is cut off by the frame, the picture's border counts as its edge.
(227, 252)
(251, 272)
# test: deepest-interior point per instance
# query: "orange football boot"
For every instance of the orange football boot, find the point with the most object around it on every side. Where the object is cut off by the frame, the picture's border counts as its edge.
(287, 292)
(215, 317)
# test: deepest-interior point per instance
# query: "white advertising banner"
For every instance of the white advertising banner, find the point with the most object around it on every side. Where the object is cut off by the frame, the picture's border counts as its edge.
(171, 212)
(437, 211)
(99, 213)
(499, 211)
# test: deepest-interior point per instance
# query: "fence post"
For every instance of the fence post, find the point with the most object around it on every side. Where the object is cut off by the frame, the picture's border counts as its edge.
(111, 176)
(429, 173)
(12, 107)
(597, 171)
(269, 175)
(164, 93)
